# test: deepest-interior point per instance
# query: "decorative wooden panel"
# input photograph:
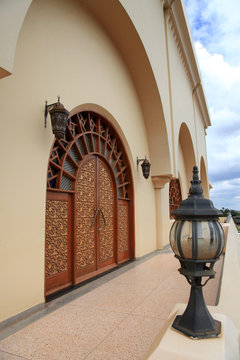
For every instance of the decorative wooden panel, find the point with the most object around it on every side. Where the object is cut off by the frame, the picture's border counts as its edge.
(106, 213)
(56, 237)
(175, 195)
(85, 205)
(122, 228)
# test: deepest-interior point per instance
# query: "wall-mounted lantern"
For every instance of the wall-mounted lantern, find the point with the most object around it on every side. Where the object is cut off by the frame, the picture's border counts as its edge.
(59, 117)
(197, 239)
(145, 167)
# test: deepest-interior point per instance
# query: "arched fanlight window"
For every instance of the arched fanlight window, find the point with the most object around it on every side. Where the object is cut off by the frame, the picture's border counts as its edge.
(87, 133)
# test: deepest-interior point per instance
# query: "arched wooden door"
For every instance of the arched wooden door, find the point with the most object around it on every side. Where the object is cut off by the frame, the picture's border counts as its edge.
(95, 206)
(89, 203)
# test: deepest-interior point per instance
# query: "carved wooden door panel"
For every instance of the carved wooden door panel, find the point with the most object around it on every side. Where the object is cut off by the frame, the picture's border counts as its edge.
(106, 223)
(94, 218)
(123, 230)
(58, 241)
(85, 217)
(175, 195)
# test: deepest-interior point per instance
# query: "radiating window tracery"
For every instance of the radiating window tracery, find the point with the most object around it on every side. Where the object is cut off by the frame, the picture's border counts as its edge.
(87, 133)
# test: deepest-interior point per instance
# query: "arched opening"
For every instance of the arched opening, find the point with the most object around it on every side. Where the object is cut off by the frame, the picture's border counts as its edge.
(186, 158)
(89, 212)
(203, 177)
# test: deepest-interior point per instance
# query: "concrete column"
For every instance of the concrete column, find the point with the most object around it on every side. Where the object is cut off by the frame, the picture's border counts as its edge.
(161, 186)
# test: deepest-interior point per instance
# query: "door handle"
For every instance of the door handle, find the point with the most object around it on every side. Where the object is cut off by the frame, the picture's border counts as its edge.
(104, 220)
(94, 218)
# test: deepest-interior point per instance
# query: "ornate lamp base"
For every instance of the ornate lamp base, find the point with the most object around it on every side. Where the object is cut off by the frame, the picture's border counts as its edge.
(197, 321)
(195, 334)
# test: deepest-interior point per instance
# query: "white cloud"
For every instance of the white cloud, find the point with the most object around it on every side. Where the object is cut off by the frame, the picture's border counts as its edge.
(219, 70)
(221, 80)
(222, 83)
(225, 194)
(216, 24)
(216, 30)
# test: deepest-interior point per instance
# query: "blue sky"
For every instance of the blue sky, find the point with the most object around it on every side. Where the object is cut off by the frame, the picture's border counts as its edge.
(215, 26)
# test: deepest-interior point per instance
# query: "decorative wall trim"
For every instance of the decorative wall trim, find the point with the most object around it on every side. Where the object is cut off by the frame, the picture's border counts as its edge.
(176, 19)
(174, 29)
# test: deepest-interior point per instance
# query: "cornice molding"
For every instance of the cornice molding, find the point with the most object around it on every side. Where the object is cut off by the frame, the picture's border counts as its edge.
(177, 38)
(176, 19)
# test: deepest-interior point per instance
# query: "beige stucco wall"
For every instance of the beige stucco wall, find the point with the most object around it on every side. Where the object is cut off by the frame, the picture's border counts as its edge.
(156, 50)
(186, 107)
(163, 222)
(200, 130)
(179, 93)
(175, 86)
(182, 105)
(174, 52)
(12, 15)
(133, 75)
(61, 50)
(202, 149)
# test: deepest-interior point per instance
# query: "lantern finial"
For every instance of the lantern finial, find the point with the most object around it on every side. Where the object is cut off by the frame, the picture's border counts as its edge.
(196, 188)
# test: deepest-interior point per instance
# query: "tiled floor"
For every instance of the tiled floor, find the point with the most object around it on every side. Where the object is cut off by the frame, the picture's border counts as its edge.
(117, 320)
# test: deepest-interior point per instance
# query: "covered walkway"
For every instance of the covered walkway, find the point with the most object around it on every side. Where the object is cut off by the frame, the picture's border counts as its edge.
(116, 317)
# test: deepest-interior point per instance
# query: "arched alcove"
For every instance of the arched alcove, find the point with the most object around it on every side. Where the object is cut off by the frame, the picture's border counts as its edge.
(186, 157)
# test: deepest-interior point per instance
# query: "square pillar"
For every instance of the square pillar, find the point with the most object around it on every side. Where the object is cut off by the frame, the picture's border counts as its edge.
(161, 186)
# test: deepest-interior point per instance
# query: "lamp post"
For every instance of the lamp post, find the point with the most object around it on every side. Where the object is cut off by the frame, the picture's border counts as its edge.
(197, 239)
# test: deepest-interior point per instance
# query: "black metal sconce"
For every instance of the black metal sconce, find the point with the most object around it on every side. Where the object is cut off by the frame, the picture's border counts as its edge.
(197, 239)
(145, 166)
(59, 117)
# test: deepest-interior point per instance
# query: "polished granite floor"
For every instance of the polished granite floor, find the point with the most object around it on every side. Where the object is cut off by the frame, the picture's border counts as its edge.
(116, 317)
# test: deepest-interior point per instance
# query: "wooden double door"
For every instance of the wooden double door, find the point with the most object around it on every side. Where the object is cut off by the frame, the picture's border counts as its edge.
(95, 207)
(87, 231)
